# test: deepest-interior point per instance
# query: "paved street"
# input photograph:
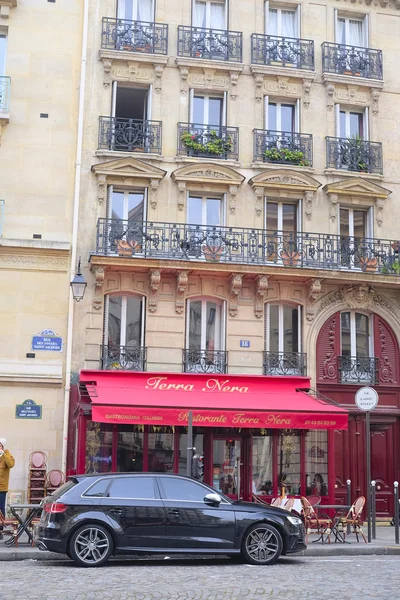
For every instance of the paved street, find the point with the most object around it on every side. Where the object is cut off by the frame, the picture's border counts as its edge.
(291, 579)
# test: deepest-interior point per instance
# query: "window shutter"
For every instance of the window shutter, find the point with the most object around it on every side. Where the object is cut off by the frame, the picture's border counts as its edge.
(328, 348)
(106, 305)
(193, 12)
(338, 133)
(266, 15)
(370, 222)
(191, 96)
(224, 109)
(387, 351)
(149, 102)
(146, 205)
(366, 123)
(298, 22)
(223, 327)
(187, 313)
(224, 211)
(366, 30)
(109, 202)
(113, 98)
(299, 332)
(335, 25)
(297, 116)
(226, 6)
(266, 328)
(299, 215)
(266, 102)
(143, 332)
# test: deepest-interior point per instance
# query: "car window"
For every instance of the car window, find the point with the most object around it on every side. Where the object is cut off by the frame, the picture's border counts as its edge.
(183, 489)
(132, 487)
(98, 489)
(63, 489)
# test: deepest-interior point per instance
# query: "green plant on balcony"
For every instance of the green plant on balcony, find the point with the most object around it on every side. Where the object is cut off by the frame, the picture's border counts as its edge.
(285, 155)
(357, 155)
(393, 267)
(215, 144)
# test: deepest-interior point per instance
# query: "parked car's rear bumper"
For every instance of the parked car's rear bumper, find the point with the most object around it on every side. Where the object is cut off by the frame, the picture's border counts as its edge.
(48, 539)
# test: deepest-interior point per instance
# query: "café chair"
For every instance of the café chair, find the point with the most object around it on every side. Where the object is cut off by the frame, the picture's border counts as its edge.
(314, 500)
(288, 504)
(258, 500)
(313, 523)
(353, 518)
(55, 479)
(277, 502)
(10, 527)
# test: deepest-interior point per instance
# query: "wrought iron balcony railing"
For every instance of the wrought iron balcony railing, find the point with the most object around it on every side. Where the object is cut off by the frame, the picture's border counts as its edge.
(204, 361)
(237, 245)
(5, 85)
(284, 363)
(282, 51)
(211, 44)
(352, 60)
(123, 358)
(283, 147)
(134, 36)
(208, 141)
(130, 135)
(353, 369)
(354, 154)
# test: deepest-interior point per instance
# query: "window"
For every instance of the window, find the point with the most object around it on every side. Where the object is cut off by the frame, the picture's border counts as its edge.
(289, 462)
(136, 10)
(124, 321)
(209, 13)
(3, 48)
(280, 116)
(262, 465)
(98, 447)
(282, 328)
(356, 364)
(206, 211)
(129, 449)
(161, 451)
(351, 31)
(183, 445)
(183, 490)
(131, 102)
(204, 331)
(99, 489)
(207, 110)
(281, 22)
(127, 205)
(281, 216)
(355, 227)
(351, 124)
(133, 487)
(317, 462)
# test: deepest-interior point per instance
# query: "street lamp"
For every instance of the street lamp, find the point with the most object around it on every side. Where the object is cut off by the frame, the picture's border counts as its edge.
(78, 284)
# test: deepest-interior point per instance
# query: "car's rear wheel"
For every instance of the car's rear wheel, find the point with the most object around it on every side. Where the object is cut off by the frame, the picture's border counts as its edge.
(91, 546)
(262, 544)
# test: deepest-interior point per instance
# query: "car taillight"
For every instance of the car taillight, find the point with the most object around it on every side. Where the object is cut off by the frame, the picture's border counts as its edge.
(55, 507)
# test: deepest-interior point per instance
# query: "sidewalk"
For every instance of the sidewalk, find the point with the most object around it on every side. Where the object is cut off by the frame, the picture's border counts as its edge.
(383, 545)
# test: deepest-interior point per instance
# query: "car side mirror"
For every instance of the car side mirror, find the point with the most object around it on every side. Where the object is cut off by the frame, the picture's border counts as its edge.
(213, 499)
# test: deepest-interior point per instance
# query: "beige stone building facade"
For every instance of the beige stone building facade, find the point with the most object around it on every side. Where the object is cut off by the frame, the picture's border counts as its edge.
(39, 79)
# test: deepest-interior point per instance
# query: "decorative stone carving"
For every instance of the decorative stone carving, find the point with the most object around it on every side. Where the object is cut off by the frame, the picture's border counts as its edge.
(330, 91)
(379, 206)
(181, 195)
(33, 262)
(234, 80)
(101, 188)
(233, 190)
(282, 86)
(385, 370)
(158, 71)
(261, 292)
(358, 296)
(184, 71)
(314, 292)
(208, 79)
(154, 183)
(155, 278)
(259, 199)
(309, 199)
(98, 274)
(375, 101)
(206, 173)
(235, 284)
(259, 80)
(181, 285)
(107, 66)
(329, 365)
(334, 199)
(306, 92)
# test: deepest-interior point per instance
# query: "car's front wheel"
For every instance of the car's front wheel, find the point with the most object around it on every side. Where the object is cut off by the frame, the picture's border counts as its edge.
(91, 546)
(262, 544)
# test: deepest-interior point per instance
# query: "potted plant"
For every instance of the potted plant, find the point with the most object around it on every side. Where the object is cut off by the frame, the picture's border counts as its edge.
(125, 248)
(215, 145)
(212, 253)
(357, 155)
(290, 259)
(285, 155)
(368, 264)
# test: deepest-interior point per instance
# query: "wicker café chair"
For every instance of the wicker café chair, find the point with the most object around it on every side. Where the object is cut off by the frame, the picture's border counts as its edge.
(10, 527)
(314, 500)
(353, 518)
(258, 500)
(276, 502)
(315, 524)
(288, 504)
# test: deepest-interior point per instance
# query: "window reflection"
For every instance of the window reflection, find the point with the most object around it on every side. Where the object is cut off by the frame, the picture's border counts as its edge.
(161, 451)
(317, 462)
(98, 447)
(262, 465)
(289, 461)
(129, 449)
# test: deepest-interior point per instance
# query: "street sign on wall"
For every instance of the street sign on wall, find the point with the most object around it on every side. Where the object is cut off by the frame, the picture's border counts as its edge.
(28, 410)
(367, 398)
(47, 340)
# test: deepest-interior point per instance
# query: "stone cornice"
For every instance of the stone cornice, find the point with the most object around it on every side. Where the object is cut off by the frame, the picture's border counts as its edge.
(201, 63)
(36, 259)
(47, 245)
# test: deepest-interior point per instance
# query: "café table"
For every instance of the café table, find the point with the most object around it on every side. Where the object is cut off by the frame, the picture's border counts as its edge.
(338, 510)
(33, 511)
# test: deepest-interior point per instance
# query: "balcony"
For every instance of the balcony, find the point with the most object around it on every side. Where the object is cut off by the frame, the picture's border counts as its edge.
(123, 358)
(130, 135)
(210, 44)
(282, 147)
(279, 51)
(353, 369)
(238, 245)
(5, 85)
(352, 60)
(204, 361)
(208, 141)
(354, 154)
(284, 363)
(134, 36)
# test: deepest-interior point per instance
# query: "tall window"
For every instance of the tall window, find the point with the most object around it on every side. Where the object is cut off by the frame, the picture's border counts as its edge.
(351, 31)
(204, 329)
(281, 216)
(127, 205)
(124, 321)
(356, 348)
(281, 22)
(282, 328)
(351, 124)
(205, 210)
(3, 48)
(355, 226)
(207, 109)
(210, 14)
(136, 10)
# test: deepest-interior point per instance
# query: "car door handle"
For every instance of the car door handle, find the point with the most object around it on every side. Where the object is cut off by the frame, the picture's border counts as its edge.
(174, 512)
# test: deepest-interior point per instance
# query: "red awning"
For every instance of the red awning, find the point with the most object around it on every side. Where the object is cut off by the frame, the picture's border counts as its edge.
(215, 400)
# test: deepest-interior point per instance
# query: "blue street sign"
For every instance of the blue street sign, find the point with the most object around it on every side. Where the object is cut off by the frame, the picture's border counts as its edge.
(28, 410)
(47, 340)
(245, 343)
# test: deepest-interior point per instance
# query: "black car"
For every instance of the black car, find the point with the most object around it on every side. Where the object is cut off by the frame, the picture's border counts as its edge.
(93, 516)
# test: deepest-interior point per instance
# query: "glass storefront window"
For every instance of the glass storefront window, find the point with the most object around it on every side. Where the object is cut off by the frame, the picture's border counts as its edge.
(289, 461)
(98, 447)
(226, 461)
(161, 451)
(129, 449)
(262, 465)
(197, 443)
(317, 462)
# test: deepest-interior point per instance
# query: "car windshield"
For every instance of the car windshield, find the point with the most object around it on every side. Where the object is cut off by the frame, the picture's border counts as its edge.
(63, 489)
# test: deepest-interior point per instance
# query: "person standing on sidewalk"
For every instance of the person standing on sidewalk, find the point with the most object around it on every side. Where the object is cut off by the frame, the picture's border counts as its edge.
(6, 463)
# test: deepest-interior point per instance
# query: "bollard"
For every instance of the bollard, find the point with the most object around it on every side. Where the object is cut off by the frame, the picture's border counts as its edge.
(396, 511)
(373, 509)
(348, 500)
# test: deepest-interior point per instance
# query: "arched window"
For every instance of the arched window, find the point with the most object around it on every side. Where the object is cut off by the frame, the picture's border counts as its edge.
(124, 333)
(205, 337)
(356, 347)
(283, 354)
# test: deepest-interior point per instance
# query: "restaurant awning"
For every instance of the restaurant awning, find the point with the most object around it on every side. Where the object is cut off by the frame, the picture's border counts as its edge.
(215, 400)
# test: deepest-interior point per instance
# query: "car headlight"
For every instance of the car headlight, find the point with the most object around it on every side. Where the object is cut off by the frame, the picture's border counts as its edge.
(295, 521)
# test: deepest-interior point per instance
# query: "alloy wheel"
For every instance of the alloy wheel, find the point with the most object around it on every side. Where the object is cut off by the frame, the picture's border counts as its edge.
(262, 544)
(92, 545)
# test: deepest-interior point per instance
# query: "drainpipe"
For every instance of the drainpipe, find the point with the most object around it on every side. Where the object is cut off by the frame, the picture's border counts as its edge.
(77, 191)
